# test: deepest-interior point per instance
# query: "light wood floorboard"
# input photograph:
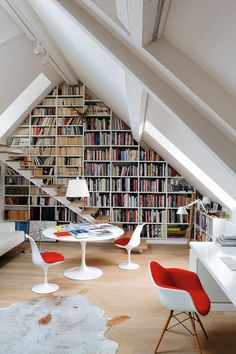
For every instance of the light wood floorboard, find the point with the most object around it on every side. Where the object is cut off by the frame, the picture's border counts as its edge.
(120, 292)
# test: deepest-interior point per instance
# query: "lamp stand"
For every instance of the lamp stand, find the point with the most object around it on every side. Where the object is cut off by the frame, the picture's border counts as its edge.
(191, 216)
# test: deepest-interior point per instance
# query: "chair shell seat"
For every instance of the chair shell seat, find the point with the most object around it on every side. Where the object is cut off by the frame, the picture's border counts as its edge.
(52, 257)
(181, 279)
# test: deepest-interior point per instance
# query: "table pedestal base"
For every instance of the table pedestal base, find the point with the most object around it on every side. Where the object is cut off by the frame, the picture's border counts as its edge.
(85, 273)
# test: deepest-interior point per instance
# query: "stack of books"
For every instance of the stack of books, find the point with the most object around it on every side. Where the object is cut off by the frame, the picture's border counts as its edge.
(227, 240)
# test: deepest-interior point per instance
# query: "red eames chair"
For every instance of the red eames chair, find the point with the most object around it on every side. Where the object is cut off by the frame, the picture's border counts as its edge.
(180, 290)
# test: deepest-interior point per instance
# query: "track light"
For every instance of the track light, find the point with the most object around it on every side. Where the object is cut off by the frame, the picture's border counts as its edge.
(39, 49)
(44, 58)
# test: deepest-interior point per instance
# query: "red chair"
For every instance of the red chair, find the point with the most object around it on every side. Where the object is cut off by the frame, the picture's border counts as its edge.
(180, 290)
(44, 260)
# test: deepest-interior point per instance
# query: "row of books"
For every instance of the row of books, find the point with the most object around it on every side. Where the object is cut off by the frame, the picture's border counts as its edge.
(125, 215)
(98, 184)
(67, 101)
(175, 201)
(43, 201)
(43, 160)
(149, 169)
(42, 141)
(176, 185)
(227, 240)
(149, 155)
(98, 110)
(70, 171)
(66, 111)
(63, 160)
(12, 200)
(16, 215)
(43, 120)
(131, 170)
(125, 184)
(153, 185)
(22, 131)
(124, 155)
(43, 111)
(153, 216)
(97, 169)
(125, 200)
(65, 89)
(24, 141)
(69, 140)
(16, 180)
(98, 138)
(98, 200)
(70, 130)
(118, 124)
(43, 131)
(97, 124)
(70, 151)
(103, 154)
(19, 190)
(152, 200)
(69, 121)
(123, 139)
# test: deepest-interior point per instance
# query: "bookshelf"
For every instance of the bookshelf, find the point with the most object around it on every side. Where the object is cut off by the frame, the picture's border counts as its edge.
(127, 180)
(207, 227)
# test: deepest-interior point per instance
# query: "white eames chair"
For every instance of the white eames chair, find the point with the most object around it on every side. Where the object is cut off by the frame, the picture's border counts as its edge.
(128, 244)
(44, 260)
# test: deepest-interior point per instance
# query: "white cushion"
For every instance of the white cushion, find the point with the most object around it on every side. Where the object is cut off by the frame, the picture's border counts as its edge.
(9, 240)
(7, 226)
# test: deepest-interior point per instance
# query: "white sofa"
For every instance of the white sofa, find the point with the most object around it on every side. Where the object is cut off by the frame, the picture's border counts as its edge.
(9, 238)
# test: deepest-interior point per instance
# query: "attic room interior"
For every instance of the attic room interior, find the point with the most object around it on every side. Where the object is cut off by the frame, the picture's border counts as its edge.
(118, 176)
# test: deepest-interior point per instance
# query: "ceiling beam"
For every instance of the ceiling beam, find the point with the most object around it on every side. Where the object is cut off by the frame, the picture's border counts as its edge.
(153, 82)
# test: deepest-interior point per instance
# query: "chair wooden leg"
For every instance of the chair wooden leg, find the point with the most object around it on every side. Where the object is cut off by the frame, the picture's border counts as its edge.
(202, 327)
(164, 329)
(195, 334)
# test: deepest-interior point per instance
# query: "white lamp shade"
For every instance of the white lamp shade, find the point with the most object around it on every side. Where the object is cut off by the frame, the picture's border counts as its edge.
(206, 200)
(182, 211)
(77, 188)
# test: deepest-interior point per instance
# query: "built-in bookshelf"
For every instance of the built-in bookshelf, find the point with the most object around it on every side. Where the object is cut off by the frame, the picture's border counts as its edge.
(127, 181)
(207, 227)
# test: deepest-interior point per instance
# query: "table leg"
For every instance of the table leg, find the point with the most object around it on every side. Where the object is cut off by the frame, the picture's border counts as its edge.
(83, 272)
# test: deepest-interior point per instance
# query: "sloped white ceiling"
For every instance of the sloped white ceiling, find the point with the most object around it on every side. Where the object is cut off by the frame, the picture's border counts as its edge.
(8, 28)
(205, 32)
(19, 66)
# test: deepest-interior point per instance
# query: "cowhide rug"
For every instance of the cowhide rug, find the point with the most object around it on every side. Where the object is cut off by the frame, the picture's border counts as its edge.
(55, 325)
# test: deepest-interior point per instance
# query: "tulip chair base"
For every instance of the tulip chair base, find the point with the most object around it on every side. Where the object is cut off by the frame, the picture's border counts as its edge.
(45, 288)
(129, 266)
(83, 273)
(193, 317)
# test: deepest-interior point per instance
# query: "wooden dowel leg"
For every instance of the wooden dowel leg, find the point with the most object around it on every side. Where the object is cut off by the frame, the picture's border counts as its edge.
(164, 329)
(202, 327)
(195, 334)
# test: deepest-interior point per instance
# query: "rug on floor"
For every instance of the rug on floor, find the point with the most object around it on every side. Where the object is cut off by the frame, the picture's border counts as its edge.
(54, 325)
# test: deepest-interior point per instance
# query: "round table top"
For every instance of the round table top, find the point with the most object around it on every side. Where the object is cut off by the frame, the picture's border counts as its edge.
(114, 232)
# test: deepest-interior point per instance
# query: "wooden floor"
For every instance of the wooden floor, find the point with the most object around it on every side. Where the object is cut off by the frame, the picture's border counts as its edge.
(120, 292)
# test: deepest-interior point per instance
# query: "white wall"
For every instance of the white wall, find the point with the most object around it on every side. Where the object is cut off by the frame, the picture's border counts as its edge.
(19, 66)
